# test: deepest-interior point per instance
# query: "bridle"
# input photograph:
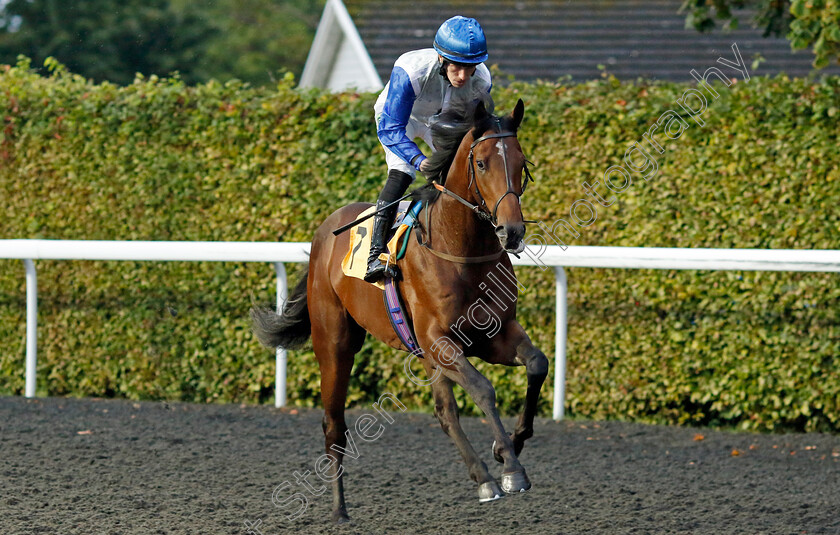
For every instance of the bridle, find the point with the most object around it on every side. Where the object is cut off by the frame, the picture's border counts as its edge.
(481, 209)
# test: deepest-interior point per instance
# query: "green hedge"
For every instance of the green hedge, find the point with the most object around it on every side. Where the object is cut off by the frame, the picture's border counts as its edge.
(159, 160)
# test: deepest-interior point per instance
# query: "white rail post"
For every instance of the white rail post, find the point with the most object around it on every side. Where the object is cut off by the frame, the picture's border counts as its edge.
(560, 328)
(31, 328)
(280, 372)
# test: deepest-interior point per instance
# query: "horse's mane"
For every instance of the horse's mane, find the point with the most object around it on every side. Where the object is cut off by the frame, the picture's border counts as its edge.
(447, 134)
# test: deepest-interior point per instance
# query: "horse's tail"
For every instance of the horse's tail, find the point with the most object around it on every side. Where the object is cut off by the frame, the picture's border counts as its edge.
(289, 329)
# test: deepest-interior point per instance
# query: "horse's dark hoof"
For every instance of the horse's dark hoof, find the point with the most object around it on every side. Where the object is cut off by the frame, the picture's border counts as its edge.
(515, 482)
(489, 491)
(340, 517)
(497, 456)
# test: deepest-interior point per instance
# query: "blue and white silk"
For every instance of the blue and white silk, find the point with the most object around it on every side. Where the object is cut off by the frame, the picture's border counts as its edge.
(412, 99)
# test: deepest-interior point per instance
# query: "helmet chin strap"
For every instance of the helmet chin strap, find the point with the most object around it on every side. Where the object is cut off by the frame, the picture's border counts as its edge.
(442, 70)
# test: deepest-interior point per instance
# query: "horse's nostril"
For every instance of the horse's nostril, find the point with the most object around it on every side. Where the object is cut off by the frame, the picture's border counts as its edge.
(510, 235)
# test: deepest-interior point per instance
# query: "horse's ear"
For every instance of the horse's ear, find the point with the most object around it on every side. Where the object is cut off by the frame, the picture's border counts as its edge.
(480, 111)
(517, 114)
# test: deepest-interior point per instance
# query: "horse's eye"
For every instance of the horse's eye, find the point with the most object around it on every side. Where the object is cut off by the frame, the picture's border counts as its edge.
(480, 164)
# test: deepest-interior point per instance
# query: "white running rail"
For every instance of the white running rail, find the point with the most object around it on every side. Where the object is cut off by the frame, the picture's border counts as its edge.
(546, 257)
(29, 250)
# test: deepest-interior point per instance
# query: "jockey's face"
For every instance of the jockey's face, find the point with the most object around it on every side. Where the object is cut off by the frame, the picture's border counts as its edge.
(459, 75)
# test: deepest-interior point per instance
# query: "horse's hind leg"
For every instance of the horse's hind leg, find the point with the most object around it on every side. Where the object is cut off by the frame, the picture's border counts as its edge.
(336, 338)
(446, 410)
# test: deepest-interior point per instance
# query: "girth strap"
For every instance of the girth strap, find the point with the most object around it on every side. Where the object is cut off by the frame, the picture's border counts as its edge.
(396, 313)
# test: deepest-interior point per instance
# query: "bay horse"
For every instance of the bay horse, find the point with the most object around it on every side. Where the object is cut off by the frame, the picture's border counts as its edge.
(482, 162)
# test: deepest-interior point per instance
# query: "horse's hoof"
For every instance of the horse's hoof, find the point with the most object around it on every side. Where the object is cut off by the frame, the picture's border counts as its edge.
(340, 517)
(515, 482)
(496, 456)
(489, 491)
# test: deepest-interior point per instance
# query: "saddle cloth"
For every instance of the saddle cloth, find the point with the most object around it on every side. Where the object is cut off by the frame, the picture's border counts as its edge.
(355, 261)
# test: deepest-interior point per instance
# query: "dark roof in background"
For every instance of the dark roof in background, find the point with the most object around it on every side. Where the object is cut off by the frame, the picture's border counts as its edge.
(533, 39)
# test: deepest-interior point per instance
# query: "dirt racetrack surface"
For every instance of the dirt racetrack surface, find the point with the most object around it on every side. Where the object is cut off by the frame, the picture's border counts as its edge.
(87, 466)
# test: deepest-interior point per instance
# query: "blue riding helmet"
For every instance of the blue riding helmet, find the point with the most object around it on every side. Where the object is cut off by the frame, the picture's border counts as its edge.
(461, 40)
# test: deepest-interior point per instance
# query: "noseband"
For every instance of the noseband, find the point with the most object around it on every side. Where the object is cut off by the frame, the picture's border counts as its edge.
(481, 209)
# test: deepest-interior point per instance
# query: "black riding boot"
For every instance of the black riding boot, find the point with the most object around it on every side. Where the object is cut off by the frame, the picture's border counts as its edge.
(382, 221)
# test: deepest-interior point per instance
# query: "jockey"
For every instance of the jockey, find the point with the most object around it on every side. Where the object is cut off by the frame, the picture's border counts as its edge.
(423, 84)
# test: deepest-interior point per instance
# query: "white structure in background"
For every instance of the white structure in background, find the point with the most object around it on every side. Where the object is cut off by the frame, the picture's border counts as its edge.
(338, 59)
(278, 253)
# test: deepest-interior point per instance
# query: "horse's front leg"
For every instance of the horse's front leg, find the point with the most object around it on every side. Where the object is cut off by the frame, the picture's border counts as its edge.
(446, 410)
(536, 367)
(449, 356)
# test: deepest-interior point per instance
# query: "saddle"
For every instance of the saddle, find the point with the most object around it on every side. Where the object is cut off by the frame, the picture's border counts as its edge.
(355, 263)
